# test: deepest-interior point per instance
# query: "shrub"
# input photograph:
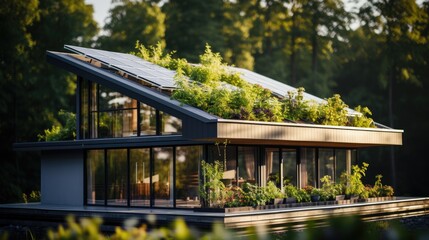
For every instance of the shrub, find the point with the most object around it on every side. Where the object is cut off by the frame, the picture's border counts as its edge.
(212, 188)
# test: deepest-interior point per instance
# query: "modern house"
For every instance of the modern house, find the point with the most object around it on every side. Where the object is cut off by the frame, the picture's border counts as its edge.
(137, 147)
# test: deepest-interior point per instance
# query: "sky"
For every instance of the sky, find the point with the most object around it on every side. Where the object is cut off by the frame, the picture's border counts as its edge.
(101, 10)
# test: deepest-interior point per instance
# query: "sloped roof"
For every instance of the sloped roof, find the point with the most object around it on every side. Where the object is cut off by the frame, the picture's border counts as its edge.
(113, 70)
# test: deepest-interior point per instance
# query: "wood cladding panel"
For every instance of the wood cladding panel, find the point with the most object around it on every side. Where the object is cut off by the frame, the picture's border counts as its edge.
(307, 134)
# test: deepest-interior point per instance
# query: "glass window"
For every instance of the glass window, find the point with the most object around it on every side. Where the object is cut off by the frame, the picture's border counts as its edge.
(289, 166)
(140, 177)
(121, 123)
(111, 100)
(247, 164)
(117, 177)
(162, 179)
(326, 163)
(170, 124)
(308, 167)
(228, 156)
(272, 165)
(84, 107)
(341, 156)
(95, 177)
(147, 120)
(187, 176)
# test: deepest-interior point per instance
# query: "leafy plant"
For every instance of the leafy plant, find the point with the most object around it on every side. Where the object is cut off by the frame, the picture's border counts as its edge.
(234, 197)
(354, 182)
(272, 191)
(362, 120)
(254, 195)
(329, 188)
(212, 188)
(291, 191)
(63, 130)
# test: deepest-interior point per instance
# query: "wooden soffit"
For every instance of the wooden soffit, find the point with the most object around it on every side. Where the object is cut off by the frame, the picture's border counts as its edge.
(250, 132)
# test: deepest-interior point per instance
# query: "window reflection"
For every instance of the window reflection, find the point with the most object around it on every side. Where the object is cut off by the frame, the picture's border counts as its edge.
(140, 177)
(228, 157)
(95, 177)
(326, 163)
(170, 124)
(289, 166)
(117, 193)
(187, 178)
(247, 164)
(308, 167)
(162, 179)
(147, 120)
(272, 165)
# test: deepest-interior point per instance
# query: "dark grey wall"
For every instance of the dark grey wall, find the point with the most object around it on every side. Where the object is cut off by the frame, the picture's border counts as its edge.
(62, 177)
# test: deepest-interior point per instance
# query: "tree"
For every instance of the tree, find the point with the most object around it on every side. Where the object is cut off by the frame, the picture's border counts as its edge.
(31, 91)
(131, 21)
(191, 24)
(396, 25)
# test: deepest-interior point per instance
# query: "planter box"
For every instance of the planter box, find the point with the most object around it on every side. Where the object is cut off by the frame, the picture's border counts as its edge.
(317, 202)
(289, 200)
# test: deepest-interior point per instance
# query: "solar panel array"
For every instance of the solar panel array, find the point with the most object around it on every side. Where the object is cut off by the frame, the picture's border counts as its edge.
(130, 64)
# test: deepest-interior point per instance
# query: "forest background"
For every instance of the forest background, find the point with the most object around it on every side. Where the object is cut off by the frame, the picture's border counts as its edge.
(374, 54)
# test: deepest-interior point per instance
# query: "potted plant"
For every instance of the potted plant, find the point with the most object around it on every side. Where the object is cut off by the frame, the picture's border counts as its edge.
(212, 188)
(274, 193)
(355, 188)
(315, 194)
(253, 195)
(291, 194)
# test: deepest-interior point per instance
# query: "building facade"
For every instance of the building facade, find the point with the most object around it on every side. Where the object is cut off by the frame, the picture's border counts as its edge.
(136, 147)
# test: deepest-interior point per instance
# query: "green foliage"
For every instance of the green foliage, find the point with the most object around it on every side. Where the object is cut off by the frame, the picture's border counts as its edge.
(355, 185)
(329, 188)
(272, 191)
(131, 21)
(34, 196)
(212, 188)
(254, 195)
(290, 191)
(64, 131)
(208, 92)
(362, 120)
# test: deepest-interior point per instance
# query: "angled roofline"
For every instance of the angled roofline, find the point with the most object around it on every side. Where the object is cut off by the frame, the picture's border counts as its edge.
(132, 89)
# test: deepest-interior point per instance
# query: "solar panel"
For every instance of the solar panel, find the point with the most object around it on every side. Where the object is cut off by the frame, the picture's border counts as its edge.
(132, 65)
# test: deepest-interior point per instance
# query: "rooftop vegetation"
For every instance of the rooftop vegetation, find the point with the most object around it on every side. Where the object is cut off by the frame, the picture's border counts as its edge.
(219, 91)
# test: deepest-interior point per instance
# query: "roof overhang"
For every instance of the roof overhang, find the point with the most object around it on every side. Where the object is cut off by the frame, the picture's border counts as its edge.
(293, 134)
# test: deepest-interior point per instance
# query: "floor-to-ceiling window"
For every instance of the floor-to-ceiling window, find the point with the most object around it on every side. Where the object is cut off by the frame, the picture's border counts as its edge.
(105, 113)
(117, 177)
(162, 178)
(95, 177)
(272, 166)
(326, 163)
(289, 166)
(140, 177)
(187, 175)
(308, 167)
(227, 155)
(247, 165)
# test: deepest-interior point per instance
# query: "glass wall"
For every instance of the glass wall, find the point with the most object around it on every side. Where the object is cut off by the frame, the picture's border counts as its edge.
(289, 166)
(272, 165)
(187, 176)
(95, 177)
(147, 120)
(162, 178)
(247, 165)
(308, 167)
(117, 177)
(140, 177)
(169, 176)
(170, 124)
(326, 163)
(109, 114)
(228, 156)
